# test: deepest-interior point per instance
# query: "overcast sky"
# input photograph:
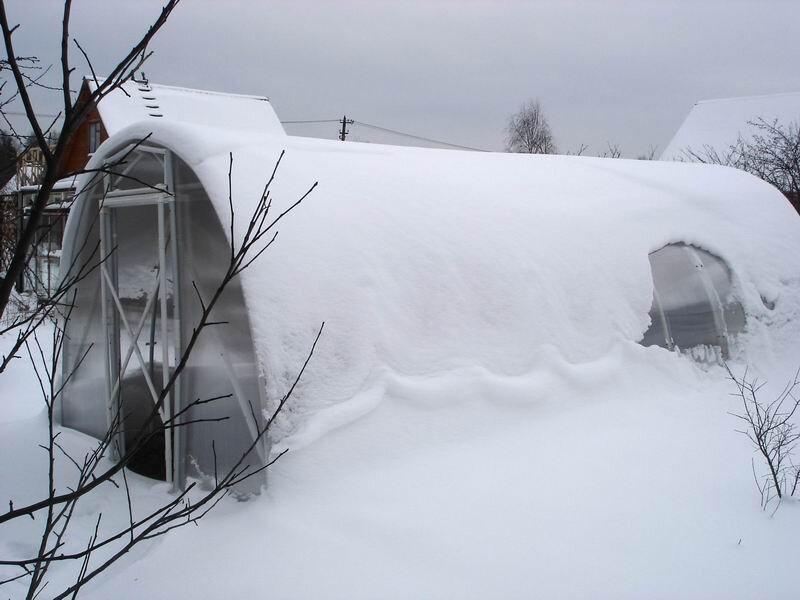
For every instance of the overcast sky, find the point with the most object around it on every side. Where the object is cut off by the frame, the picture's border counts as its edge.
(625, 72)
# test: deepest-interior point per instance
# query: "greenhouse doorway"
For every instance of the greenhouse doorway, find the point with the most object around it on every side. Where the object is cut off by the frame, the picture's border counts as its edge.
(140, 311)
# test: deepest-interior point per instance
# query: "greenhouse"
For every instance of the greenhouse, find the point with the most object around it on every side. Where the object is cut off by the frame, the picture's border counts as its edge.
(420, 262)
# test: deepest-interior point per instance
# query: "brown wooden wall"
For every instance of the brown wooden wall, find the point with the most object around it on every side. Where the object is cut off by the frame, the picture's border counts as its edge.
(77, 153)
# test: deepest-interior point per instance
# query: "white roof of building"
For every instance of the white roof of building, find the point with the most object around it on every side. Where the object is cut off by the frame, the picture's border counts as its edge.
(717, 124)
(427, 262)
(12, 186)
(144, 101)
(137, 101)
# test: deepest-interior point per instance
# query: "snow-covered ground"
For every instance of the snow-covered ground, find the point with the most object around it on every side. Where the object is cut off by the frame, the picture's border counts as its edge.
(621, 477)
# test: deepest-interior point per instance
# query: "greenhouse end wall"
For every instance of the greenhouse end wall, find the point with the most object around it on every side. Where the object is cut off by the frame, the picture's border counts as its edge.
(222, 364)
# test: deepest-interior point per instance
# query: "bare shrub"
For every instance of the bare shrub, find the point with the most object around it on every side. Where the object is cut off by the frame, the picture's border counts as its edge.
(770, 427)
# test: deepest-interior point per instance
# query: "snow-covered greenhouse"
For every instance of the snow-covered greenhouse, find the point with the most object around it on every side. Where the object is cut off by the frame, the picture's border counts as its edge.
(421, 262)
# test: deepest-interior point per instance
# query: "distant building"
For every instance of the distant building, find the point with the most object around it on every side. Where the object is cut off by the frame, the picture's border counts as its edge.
(715, 125)
(16, 198)
(134, 101)
(714, 128)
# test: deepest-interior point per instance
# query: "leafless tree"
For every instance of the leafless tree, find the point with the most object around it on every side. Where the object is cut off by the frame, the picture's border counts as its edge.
(579, 152)
(771, 153)
(612, 151)
(93, 471)
(528, 131)
(650, 154)
(770, 427)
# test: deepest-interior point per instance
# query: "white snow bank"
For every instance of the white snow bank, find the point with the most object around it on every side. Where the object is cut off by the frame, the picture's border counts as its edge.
(424, 263)
(621, 477)
(21, 393)
(618, 478)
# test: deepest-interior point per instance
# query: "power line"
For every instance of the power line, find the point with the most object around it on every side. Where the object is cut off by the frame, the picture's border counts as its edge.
(387, 130)
(418, 137)
(312, 121)
(349, 121)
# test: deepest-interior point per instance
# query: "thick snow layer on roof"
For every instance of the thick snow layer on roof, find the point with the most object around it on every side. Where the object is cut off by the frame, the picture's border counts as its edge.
(67, 183)
(717, 124)
(425, 263)
(138, 101)
(12, 186)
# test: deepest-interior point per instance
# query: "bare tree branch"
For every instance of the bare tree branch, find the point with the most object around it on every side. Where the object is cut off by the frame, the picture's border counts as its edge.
(65, 68)
(22, 88)
(74, 115)
(53, 513)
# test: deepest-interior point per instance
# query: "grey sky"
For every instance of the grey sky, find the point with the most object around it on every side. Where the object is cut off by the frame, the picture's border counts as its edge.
(604, 70)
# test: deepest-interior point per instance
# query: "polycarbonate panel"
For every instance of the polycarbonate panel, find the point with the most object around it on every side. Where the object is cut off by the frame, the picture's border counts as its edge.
(223, 362)
(658, 332)
(83, 403)
(140, 169)
(693, 303)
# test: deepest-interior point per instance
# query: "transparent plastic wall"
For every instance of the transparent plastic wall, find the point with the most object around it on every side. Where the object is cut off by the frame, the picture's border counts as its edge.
(223, 362)
(84, 403)
(693, 300)
(114, 242)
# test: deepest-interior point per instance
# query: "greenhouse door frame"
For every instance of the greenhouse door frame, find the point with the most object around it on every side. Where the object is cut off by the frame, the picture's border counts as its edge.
(115, 319)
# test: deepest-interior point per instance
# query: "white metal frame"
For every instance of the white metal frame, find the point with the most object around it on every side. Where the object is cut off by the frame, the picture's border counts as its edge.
(114, 314)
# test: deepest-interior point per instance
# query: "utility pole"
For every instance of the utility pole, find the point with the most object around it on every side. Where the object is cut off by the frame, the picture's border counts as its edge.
(344, 131)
